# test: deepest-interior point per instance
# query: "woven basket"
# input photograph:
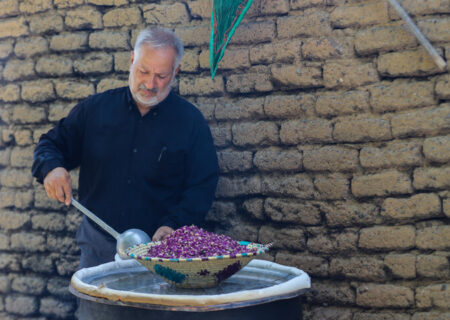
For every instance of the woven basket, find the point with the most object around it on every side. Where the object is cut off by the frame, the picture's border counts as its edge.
(195, 272)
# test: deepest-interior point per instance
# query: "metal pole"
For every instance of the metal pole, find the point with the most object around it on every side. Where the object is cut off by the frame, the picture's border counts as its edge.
(419, 35)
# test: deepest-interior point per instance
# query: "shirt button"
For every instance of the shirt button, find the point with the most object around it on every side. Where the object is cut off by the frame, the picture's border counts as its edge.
(134, 150)
(155, 113)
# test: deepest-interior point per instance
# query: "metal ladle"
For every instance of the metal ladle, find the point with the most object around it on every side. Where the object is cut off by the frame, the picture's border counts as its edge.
(124, 240)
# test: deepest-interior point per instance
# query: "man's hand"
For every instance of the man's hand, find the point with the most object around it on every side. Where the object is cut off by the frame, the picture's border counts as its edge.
(162, 233)
(58, 185)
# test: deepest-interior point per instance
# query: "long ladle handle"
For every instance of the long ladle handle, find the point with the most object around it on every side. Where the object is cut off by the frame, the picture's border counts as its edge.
(94, 218)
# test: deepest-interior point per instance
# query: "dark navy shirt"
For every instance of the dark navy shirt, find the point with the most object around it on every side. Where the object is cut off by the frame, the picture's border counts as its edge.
(135, 171)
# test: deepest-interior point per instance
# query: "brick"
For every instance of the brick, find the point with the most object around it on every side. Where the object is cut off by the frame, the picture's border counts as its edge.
(283, 51)
(18, 70)
(333, 186)
(254, 32)
(35, 6)
(21, 305)
(344, 241)
(38, 263)
(286, 238)
(83, 18)
(294, 185)
(333, 294)
(207, 107)
(292, 106)
(258, 133)
(74, 90)
(359, 268)
(395, 154)
(230, 160)
(383, 38)
(407, 63)
(221, 212)
(240, 109)
(314, 24)
(6, 48)
(122, 61)
(12, 220)
(194, 36)
(94, 63)
(268, 7)
(109, 40)
(431, 316)
(239, 230)
(381, 184)
(221, 135)
(254, 208)
(442, 87)
(349, 213)
(5, 156)
(27, 114)
(26, 241)
(431, 178)
(437, 149)
(59, 110)
(387, 238)
(426, 121)
(274, 159)
(291, 211)
(28, 285)
(384, 296)
(10, 262)
(107, 2)
(297, 76)
(107, 84)
(419, 7)
(361, 129)
(4, 283)
(122, 17)
(329, 313)
(69, 42)
(361, 15)
(37, 91)
(23, 137)
(301, 4)
(23, 199)
(419, 206)
(321, 49)
(232, 187)
(401, 95)
(10, 93)
(9, 8)
(55, 307)
(165, 14)
(201, 86)
(436, 237)
(433, 266)
(306, 131)
(29, 47)
(401, 266)
(249, 82)
(14, 27)
(58, 287)
(66, 245)
(342, 103)
(435, 295)
(54, 66)
(7, 198)
(49, 221)
(233, 58)
(62, 4)
(348, 74)
(22, 157)
(190, 61)
(313, 265)
(435, 29)
(331, 158)
(46, 23)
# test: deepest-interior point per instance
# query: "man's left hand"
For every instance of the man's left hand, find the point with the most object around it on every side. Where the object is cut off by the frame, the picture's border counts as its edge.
(162, 233)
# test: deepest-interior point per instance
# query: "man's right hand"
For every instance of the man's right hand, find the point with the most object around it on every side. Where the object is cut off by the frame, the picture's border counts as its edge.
(58, 185)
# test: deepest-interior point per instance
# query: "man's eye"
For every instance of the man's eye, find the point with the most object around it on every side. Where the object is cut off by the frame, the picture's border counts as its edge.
(160, 76)
(143, 72)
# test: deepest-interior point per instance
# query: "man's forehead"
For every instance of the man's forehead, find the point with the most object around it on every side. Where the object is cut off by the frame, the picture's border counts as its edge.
(156, 57)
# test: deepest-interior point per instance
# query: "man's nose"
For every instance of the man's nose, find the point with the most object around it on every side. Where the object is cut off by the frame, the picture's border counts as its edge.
(150, 81)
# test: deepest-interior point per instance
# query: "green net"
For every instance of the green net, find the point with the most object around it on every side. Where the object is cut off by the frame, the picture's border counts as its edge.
(225, 18)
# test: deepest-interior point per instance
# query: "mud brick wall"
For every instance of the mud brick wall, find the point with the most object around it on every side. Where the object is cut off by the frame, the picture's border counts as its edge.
(331, 125)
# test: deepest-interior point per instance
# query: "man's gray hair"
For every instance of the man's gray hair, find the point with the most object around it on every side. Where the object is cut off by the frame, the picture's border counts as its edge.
(156, 37)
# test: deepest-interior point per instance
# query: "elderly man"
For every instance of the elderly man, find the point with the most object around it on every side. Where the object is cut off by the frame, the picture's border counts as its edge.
(146, 155)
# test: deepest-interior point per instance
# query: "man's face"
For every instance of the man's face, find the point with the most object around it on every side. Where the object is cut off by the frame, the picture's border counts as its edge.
(151, 75)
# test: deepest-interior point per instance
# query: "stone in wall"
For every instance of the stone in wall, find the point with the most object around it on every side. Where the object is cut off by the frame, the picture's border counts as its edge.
(387, 238)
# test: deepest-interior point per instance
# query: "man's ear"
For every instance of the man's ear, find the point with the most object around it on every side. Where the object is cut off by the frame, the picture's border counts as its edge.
(177, 70)
(132, 57)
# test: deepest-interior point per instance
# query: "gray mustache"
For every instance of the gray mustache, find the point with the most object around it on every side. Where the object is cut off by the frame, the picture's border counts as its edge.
(154, 90)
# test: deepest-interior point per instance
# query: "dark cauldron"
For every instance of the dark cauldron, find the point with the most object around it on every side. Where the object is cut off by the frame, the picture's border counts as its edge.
(126, 290)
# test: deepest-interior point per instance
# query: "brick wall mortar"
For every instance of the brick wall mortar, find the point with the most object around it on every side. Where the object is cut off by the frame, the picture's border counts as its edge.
(331, 125)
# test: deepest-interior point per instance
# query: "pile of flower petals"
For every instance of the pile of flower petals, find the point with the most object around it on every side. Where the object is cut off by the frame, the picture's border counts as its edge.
(194, 242)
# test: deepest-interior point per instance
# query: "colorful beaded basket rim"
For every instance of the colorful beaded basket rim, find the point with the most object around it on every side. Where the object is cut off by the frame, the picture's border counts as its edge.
(251, 245)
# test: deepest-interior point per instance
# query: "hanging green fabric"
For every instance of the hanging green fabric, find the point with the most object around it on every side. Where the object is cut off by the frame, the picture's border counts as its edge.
(225, 18)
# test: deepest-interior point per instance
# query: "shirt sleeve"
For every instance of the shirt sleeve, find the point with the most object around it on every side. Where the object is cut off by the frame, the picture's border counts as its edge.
(201, 177)
(61, 146)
